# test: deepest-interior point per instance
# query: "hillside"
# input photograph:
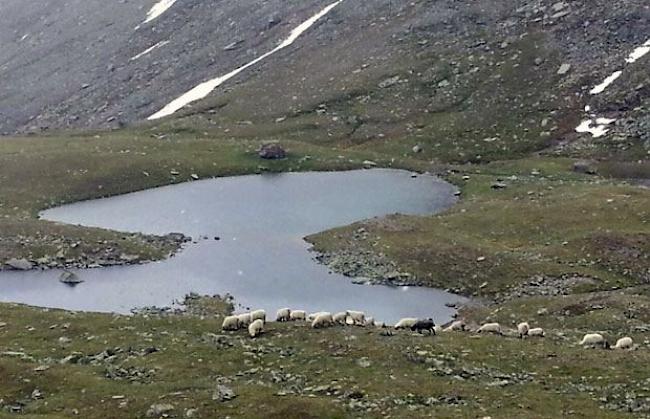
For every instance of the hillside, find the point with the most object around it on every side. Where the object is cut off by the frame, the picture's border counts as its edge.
(537, 110)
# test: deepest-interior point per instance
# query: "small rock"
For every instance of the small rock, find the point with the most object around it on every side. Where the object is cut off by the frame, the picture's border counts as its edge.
(498, 185)
(223, 394)
(194, 176)
(70, 278)
(391, 81)
(19, 264)
(417, 149)
(364, 362)
(157, 410)
(369, 163)
(564, 68)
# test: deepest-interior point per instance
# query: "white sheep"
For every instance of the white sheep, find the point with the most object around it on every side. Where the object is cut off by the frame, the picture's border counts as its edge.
(339, 318)
(370, 321)
(490, 328)
(458, 325)
(624, 343)
(536, 332)
(258, 315)
(312, 316)
(523, 329)
(230, 323)
(358, 317)
(322, 320)
(298, 315)
(256, 328)
(244, 319)
(406, 323)
(593, 339)
(283, 315)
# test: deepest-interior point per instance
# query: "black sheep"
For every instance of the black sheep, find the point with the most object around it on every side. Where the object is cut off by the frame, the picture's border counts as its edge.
(421, 325)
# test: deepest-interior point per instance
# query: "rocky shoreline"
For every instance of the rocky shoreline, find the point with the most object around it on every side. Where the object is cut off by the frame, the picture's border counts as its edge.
(69, 256)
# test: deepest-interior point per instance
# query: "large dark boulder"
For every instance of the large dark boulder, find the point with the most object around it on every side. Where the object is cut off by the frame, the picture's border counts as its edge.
(272, 151)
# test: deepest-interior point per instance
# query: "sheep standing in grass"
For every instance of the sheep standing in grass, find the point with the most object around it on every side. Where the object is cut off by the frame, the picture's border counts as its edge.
(244, 319)
(523, 329)
(283, 315)
(298, 315)
(339, 318)
(490, 328)
(426, 324)
(458, 325)
(322, 320)
(358, 317)
(594, 339)
(624, 343)
(406, 323)
(258, 315)
(230, 323)
(536, 332)
(256, 328)
(312, 316)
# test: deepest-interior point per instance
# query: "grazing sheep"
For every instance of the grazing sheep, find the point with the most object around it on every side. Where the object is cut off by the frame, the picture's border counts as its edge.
(536, 332)
(322, 320)
(312, 316)
(490, 328)
(458, 325)
(258, 315)
(406, 322)
(230, 323)
(339, 318)
(594, 339)
(427, 325)
(358, 317)
(624, 343)
(244, 319)
(283, 315)
(256, 328)
(523, 329)
(298, 315)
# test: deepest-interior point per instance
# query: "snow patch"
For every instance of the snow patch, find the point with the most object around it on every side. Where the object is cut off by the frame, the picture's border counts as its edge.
(148, 50)
(638, 53)
(605, 84)
(204, 89)
(158, 9)
(597, 130)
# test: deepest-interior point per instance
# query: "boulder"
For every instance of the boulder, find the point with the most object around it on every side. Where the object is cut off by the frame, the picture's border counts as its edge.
(272, 151)
(584, 167)
(19, 264)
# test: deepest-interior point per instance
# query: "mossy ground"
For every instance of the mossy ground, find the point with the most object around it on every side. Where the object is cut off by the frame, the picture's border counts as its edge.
(294, 371)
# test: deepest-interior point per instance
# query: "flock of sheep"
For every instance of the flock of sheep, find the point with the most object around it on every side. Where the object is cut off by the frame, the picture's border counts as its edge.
(255, 321)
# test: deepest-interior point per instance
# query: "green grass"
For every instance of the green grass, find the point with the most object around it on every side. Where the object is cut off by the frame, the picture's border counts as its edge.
(549, 223)
(278, 375)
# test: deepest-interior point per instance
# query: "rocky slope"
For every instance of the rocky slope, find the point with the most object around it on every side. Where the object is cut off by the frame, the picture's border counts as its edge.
(468, 81)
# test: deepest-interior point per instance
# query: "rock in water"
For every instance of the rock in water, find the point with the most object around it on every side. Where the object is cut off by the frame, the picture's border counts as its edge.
(19, 264)
(70, 278)
(272, 151)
